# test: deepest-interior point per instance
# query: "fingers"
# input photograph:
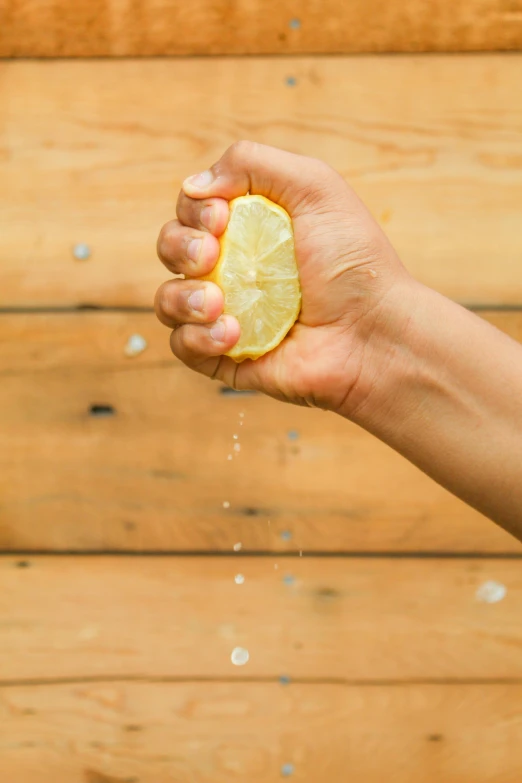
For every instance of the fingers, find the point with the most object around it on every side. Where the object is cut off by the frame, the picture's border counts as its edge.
(210, 214)
(288, 179)
(186, 251)
(202, 347)
(188, 301)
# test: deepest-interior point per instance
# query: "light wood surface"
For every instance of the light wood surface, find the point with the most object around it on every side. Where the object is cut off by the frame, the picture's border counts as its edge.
(94, 152)
(156, 474)
(116, 732)
(58, 28)
(356, 619)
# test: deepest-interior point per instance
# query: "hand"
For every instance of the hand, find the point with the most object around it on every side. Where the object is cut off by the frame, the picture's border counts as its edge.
(351, 281)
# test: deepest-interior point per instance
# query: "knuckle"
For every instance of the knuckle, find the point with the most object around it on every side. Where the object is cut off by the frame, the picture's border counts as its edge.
(322, 171)
(165, 240)
(243, 149)
(161, 242)
(163, 300)
(192, 338)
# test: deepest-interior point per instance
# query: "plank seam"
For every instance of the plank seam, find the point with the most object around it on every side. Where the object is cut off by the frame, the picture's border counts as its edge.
(477, 307)
(334, 681)
(347, 555)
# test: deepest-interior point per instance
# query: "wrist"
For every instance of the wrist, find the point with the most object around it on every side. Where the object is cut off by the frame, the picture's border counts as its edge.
(386, 346)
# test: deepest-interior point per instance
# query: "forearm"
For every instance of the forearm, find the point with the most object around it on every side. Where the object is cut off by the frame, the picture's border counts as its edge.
(446, 392)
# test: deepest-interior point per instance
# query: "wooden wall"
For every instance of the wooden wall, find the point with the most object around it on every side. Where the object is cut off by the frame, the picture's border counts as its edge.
(381, 614)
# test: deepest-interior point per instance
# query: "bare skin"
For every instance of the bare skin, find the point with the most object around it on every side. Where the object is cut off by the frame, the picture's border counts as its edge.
(429, 378)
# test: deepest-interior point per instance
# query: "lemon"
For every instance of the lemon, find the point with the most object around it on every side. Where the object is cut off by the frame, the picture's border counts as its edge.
(257, 272)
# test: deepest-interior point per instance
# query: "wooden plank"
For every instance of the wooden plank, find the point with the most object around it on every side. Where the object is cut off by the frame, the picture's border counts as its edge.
(156, 474)
(352, 619)
(94, 152)
(214, 732)
(57, 28)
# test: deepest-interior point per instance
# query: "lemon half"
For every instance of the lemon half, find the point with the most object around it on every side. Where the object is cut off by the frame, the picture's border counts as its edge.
(257, 272)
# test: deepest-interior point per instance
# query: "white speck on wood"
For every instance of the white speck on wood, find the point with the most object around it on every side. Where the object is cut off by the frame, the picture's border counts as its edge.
(491, 592)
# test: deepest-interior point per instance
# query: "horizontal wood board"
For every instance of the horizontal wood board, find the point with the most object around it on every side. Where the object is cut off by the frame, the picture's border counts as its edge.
(120, 732)
(94, 152)
(348, 619)
(85, 28)
(156, 474)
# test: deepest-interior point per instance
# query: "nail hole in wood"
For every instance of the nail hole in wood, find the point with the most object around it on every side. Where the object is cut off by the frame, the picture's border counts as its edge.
(100, 411)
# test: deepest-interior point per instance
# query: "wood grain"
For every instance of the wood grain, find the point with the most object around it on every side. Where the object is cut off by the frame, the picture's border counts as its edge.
(57, 28)
(348, 619)
(94, 152)
(155, 475)
(118, 732)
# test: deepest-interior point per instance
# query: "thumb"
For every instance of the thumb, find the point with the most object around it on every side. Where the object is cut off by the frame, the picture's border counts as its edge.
(293, 181)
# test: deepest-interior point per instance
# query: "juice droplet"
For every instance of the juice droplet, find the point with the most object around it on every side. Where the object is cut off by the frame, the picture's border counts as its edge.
(237, 546)
(226, 504)
(239, 579)
(237, 447)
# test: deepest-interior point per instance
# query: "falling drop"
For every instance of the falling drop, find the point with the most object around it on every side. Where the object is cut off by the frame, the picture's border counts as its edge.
(237, 546)
(241, 415)
(226, 504)
(229, 456)
(239, 579)
(239, 656)
(135, 345)
(300, 553)
(276, 566)
(235, 437)
(237, 447)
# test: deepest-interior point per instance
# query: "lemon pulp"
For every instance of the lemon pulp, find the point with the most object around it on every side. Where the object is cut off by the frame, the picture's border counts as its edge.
(257, 272)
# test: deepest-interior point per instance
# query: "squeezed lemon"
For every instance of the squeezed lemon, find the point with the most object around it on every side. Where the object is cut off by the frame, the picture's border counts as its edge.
(257, 271)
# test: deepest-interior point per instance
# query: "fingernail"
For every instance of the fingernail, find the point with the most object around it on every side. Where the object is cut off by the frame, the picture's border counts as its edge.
(207, 217)
(217, 332)
(196, 300)
(200, 181)
(194, 249)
